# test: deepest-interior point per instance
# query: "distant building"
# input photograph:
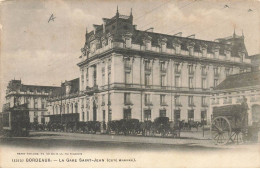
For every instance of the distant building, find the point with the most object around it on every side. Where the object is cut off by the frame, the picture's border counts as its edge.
(35, 96)
(128, 73)
(234, 88)
(63, 104)
(255, 60)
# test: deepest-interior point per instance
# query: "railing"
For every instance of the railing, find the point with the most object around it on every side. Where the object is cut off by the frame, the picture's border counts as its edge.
(167, 51)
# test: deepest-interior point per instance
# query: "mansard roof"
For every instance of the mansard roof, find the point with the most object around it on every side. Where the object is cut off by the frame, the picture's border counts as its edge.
(61, 91)
(15, 85)
(119, 25)
(243, 80)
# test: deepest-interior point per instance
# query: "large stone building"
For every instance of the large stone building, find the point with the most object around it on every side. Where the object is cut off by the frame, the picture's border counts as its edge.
(63, 104)
(35, 96)
(129, 73)
(237, 87)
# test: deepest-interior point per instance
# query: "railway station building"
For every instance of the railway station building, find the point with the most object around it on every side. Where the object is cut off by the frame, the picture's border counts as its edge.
(130, 73)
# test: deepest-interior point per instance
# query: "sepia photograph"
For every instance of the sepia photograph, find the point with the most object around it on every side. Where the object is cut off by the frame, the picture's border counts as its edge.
(129, 84)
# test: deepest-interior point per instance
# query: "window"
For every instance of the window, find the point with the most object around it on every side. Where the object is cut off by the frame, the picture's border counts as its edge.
(63, 109)
(177, 69)
(57, 109)
(204, 52)
(72, 108)
(27, 100)
(68, 108)
(191, 71)
(191, 102)
(204, 83)
(162, 67)
(127, 114)
(203, 101)
(103, 100)
(127, 98)
(147, 99)
(42, 118)
(76, 108)
(162, 99)
(191, 49)
(147, 65)
(87, 78)
(177, 101)
(203, 71)
(83, 118)
(127, 78)
(191, 82)
(43, 103)
(104, 115)
(35, 117)
(216, 73)
(109, 78)
(35, 103)
(95, 75)
(87, 115)
(127, 64)
(162, 112)
(163, 81)
(227, 71)
(147, 115)
(103, 75)
(216, 54)
(128, 42)
(177, 81)
(215, 82)
(177, 115)
(190, 115)
(148, 45)
(109, 98)
(147, 79)
(82, 78)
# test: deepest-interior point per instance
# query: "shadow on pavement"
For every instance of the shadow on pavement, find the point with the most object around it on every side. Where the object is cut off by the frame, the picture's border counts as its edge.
(100, 145)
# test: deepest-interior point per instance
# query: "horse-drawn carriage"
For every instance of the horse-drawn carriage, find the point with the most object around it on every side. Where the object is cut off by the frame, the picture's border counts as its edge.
(229, 123)
(161, 126)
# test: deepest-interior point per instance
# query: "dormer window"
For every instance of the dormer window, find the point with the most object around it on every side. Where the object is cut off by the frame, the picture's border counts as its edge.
(216, 52)
(177, 46)
(109, 40)
(203, 49)
(128, 40)
(242, 56)
(227, 53)
(147, 42)
(191, 48)
(148, 45)
(92, 47)
(162, 43)
(104, 42)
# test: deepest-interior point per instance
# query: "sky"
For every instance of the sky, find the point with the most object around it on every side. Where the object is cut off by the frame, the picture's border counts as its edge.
(46, 53)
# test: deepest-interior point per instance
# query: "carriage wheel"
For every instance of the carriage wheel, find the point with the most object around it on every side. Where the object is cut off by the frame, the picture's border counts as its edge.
(220, 130)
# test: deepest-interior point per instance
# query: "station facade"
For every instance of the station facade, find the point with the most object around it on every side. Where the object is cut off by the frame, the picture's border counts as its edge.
(129, 73)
